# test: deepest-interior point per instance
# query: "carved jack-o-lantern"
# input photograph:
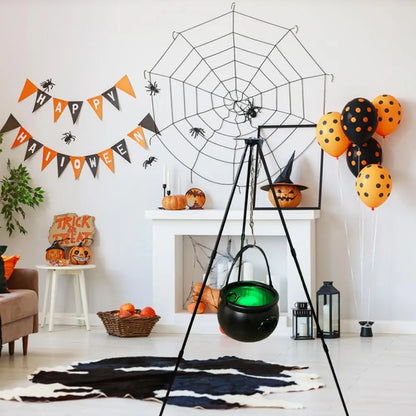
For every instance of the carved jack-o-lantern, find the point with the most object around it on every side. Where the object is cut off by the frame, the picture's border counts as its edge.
(80, 254)
(288, 195)
(55, 252)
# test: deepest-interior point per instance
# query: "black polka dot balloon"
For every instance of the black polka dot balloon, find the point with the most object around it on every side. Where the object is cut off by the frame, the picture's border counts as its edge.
(359, 120)
(373, 185)
(368, 153)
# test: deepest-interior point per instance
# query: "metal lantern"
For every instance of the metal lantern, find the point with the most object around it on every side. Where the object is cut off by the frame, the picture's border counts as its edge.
(302, 327)
(328, 310)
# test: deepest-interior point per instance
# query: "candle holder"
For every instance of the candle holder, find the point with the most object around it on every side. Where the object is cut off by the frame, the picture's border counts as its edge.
(328, 311)
(302, 321)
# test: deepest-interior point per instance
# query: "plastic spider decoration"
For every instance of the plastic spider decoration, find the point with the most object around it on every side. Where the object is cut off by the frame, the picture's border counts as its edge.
(197, 131)
(152, 88)
(250, 111)
(47, 85)
(68, 137)
(149, 161)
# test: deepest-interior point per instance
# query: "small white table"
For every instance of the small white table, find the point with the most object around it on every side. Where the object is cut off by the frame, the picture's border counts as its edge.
(80, 291)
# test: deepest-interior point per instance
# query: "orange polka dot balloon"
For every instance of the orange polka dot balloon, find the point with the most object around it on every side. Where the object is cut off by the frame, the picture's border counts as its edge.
(359, 157)
(373, 185)
(330, 135)
(389, 114)
(359, 120)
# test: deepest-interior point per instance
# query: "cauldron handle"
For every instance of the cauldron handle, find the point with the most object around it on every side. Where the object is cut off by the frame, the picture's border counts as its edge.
(240, 253)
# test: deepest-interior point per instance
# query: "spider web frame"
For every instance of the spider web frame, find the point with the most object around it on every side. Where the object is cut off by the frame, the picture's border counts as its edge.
(181, 85)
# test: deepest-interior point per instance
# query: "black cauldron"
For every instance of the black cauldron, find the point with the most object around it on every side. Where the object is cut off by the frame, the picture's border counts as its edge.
(248, 310)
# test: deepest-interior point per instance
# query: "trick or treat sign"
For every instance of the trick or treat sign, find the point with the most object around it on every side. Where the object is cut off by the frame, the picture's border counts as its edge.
(71, 229)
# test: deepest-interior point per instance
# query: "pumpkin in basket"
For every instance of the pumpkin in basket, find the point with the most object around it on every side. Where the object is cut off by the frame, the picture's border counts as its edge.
(55, 252)
(174, 202)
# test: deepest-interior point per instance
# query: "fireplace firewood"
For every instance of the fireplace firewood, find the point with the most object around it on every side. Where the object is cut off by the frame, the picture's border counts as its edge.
(210, 296)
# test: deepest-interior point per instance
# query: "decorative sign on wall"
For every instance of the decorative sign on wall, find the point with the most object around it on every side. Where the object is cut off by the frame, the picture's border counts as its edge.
(71, 229)
(77, 162)
(74, 107)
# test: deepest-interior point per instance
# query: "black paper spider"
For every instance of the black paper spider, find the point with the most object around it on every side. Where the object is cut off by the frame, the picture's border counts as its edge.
(250, 111)
(197, 131)
(47, 85)
(152, 88)
(68, 137)
(149, 161)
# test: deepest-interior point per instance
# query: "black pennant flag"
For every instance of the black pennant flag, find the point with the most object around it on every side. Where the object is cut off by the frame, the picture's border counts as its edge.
(75, 109)
(92, 162)
(121, 149)
(149, 124)
(32, 147)
(41, 99)
(62, 162)
(112, 96)
(10, 124)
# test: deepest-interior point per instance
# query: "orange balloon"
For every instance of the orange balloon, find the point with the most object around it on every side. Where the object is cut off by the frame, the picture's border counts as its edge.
(373, 185)
(331, 136)
(389, 114)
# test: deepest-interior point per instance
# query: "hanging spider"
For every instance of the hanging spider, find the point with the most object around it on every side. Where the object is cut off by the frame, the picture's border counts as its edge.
(250, 111)
(152, 88)
(68, 137)
(197, 131)
(149, 161)
(47, 85)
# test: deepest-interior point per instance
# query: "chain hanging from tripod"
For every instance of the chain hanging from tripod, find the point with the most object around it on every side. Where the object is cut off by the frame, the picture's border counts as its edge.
(254, 173)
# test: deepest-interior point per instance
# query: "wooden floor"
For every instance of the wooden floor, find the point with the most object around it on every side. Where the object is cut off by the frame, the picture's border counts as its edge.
(377, 375)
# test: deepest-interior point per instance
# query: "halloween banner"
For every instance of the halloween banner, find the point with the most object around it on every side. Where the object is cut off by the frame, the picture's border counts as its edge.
(74, 107)
(105, 156)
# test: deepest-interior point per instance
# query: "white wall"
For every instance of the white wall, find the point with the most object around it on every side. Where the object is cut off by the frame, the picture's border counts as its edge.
(85, 47)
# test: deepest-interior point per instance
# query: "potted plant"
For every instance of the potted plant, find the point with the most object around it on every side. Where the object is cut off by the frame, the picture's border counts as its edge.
(16, 193)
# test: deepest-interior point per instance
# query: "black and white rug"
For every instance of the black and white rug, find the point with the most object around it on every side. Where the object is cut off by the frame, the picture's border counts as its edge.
(220, 383)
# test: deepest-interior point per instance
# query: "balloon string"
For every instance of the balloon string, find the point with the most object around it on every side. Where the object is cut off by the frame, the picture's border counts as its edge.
(373, 257)
(347, 237)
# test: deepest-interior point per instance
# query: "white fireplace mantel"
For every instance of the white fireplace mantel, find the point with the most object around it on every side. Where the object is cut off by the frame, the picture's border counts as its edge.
(168, 230)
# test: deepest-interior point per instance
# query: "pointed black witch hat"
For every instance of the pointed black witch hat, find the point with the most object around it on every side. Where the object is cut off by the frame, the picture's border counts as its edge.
(284, 177)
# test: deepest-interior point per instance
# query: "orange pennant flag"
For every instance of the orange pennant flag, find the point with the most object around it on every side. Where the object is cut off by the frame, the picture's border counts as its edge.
(97, 105)
(48, 155)
(77, 164)
(124, 85)
(138, 136)
(28, 89)
(107, 157)
(58, 108)
(22, 136)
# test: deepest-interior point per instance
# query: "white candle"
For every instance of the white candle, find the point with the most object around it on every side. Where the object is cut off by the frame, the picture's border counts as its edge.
(168, 180)
(248, 271)
(164, 175)
(222, 269)
(179, 190)
(325, 318)
(303, 329)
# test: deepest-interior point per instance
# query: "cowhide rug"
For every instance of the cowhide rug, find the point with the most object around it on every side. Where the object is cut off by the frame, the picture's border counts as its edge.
(220, 383)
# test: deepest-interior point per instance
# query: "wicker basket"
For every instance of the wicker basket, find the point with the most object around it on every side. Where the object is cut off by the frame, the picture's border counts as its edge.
(131, 326)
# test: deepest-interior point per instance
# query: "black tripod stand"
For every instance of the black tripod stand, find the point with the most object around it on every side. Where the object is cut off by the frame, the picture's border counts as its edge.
(254, 147)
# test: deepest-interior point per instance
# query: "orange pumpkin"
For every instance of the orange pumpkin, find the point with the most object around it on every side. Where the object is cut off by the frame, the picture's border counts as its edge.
(80, 254)
(174, 202)
(55, 252)
(288, 195)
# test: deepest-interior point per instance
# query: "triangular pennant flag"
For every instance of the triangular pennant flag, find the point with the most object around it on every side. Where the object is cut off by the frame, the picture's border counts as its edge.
(28, 89)
(124, 85)
(41, 99)
(10, 124)
(97, 105)
(92, 162)
(138, 136)
(112, 96)
(62, 162)
(149, 124)
(48, 155)
(77, 164)
(32, 147)
(58, 108)
(107, 157)
(121, 149)
(75, 109)
(22, 136)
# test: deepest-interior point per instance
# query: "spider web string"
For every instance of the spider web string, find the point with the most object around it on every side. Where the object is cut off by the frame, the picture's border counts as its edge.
(237, 116)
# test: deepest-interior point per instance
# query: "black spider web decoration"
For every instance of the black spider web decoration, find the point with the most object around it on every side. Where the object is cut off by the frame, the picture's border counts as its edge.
(221, 79)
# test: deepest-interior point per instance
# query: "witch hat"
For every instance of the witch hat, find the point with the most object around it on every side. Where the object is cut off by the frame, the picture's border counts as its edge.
(284, 177)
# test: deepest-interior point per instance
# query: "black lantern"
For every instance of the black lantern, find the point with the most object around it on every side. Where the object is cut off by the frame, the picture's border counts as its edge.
(328, 310)
(302, 321)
